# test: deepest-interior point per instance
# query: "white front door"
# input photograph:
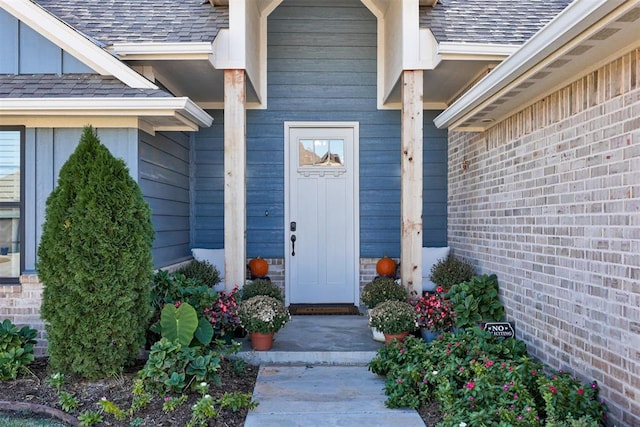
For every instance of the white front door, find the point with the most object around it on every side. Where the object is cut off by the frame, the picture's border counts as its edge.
(321, 213)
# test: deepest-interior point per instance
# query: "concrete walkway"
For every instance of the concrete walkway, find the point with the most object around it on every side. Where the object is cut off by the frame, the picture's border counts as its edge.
(316, 375)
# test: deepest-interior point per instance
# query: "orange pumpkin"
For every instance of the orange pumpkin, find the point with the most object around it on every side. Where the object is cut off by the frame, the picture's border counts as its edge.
(386, 267)
(259, 267)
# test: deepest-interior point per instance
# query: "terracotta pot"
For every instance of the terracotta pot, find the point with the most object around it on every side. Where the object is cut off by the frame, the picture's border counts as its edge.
(388, 338)
(261, 342)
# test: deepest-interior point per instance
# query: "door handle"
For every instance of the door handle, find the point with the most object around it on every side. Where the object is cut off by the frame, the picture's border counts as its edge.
(293, 245)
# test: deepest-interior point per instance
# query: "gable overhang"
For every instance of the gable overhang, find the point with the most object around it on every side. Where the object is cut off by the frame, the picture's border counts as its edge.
(74, 43)
(448, 67)
(186, 69)
(148, 114)
(580, 39)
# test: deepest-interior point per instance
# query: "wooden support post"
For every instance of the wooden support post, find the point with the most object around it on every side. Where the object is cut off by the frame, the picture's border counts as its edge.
(235, 153)
(411, 181)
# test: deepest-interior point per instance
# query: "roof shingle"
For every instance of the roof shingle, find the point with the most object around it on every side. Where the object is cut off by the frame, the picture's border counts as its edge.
(127, 21)
(483, 21)
(70, 86)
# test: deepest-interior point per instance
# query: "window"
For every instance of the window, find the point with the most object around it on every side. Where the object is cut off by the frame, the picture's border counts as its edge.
(321, 152)
(11, 202)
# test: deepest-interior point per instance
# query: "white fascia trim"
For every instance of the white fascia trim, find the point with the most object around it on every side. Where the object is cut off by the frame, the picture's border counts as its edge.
(163, 51)
(477, 51)
(161, 107)
(74, 42)
(577, 17)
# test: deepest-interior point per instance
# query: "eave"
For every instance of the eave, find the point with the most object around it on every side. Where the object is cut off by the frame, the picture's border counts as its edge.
(562, 51)
(149, 114)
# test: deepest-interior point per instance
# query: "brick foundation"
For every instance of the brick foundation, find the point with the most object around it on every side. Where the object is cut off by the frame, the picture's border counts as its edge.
(550, 202)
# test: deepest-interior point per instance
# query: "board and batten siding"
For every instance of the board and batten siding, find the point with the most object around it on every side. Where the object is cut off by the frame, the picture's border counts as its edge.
(165, 184)
(321, 67)
(46, 151)
(24, 51)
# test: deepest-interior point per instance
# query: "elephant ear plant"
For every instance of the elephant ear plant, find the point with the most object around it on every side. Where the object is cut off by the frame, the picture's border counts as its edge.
(476, 301)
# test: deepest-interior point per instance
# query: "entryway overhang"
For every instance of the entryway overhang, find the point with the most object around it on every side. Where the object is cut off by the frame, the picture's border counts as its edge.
(561, 51)
(448, 67)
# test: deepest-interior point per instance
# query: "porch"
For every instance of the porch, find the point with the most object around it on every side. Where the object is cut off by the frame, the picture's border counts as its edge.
(318, 340)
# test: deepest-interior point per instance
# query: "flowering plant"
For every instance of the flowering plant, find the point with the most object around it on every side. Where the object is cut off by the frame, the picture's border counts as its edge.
(223, 313)
(393, 317)
(434, 311)
(263, 314)
(382, 289)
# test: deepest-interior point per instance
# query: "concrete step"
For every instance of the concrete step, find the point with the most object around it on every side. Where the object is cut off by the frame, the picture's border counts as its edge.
(318, 340)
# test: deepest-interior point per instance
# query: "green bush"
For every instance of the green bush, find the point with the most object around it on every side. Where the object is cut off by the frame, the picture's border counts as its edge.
(382, 289)
(173, 367)
(479, 379)
(261, 287)
(451, 271)
(203, 271)
(95, 262)
(16, 349)
(476, 301)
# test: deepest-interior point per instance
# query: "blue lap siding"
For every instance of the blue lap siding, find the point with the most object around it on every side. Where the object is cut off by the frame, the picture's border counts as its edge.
(321, 67)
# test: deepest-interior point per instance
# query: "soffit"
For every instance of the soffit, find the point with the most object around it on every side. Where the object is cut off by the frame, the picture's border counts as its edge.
(606, 40)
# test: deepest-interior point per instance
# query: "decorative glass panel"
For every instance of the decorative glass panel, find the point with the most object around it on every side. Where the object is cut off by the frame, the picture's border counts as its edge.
(321, 152)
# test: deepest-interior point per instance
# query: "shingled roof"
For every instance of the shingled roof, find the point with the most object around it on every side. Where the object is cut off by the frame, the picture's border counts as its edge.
(495, 21)
(70, 86)
(135, 21)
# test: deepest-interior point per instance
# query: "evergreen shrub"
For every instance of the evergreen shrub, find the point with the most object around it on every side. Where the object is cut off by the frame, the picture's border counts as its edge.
(95, 261)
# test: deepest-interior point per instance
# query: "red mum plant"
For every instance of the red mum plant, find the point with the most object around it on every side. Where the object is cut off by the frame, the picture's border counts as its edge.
(434, 311)
(223, 313)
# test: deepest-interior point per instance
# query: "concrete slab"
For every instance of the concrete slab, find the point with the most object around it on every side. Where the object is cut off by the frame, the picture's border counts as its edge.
(332, 340)
(324, 396)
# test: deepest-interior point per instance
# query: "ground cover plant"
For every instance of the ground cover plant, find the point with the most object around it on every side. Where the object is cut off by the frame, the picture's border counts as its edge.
(189, 377)
(478, 379)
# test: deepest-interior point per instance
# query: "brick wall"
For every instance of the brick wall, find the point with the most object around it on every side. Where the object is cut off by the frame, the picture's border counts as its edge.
(550, 202)
(21, 305)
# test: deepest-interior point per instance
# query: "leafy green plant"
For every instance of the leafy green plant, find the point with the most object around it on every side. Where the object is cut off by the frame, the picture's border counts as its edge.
(56, 381)
(202, 411)
(479, 379)
(111, 408)
(68, 402)
(90, 418)
(16, 349)
(171, 403)
(565, 398)
(393, 317)
(170, 288)
(181, 324)
(263, 314)
(261, 287)
(237, 401)
(203, 271)
(451, 271)
(95, 261)
(172, 367)
(476, 301)
(382, 289)
(141, 397)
